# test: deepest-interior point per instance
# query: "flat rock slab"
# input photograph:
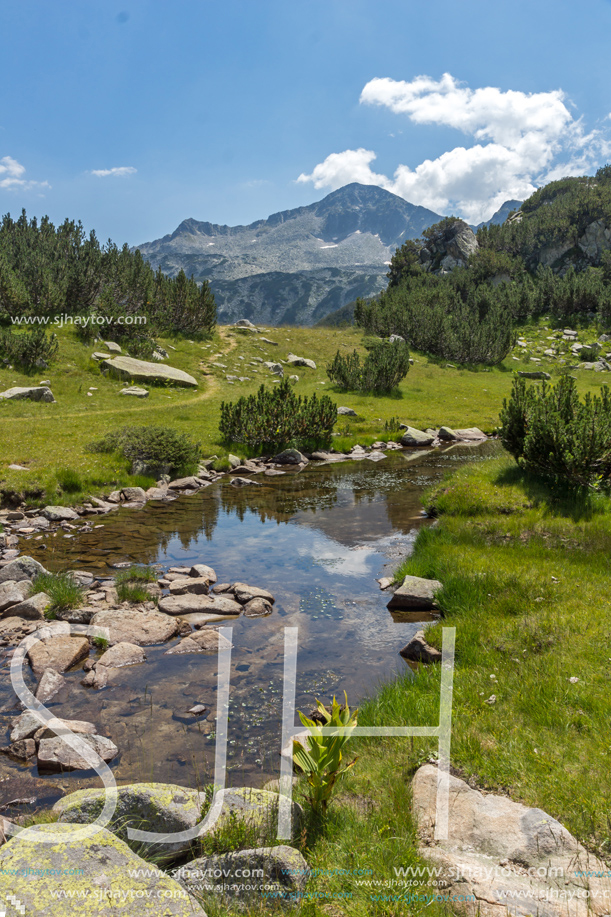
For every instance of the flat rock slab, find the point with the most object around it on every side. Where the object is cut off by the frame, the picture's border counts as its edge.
(161, 807)
(135, 391)
(415, 594)
(143, 628)
(281, 873)
(22, 568)
(55, 755)
(503, 855)
(31, 393)
(106, 878)
(207, 640)
(245, 593)
(210, 604)
(471, 435)
(190, 585)
(141, 371)
(58, 653)
(199, 619)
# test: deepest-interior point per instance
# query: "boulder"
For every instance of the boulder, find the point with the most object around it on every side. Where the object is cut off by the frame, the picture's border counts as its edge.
(11, 594)
(23, 750)
(245, 593)
(103, 876)
(278, 873)
(418, 650)
(32, 609)
(141, 371)
(134, 494)
(32, 393)
(415, 594)
(59, 653)
(159, 807)
(75, 615)
(290, 457)
(55, 755)
(245, 323)
(502, 856)
(187, 604)
(122, 654)
(447, 434)
(143, 628)
(206, 640)
(346, 412)
(535, 375)
(111, 347)
(245, 482)
(190, 585)
(135, 391)
(184, 483)
(59, 514)
(396, 337)
(300, 361)
(257, 608)
(20, 569)
(50, 729)
(25, 726)
(203, 571)
(413, 437)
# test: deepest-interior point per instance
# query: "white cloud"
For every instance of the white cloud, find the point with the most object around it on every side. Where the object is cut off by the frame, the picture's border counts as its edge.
(118, 171)
(520, 140)
(11, 176)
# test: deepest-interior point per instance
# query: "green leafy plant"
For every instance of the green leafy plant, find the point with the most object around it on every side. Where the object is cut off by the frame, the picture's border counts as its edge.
(321, 758)
(278, 417)
(549, 430)
(101, 643)
(383, 368)
(158, 449)
(61, 588)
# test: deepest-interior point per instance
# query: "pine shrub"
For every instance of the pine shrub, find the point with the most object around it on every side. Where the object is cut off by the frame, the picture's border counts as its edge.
(549, 430)
(278, 417)
(381, 371)
(159, 448)
(30, 349)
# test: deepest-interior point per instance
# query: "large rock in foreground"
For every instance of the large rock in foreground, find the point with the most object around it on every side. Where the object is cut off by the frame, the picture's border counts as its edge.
(275, 875)
(415, 594)
(59, 653)
(20, 569)
(103, 876)
(160, 807)
(414, 437)
(501, 856)
(141, 371)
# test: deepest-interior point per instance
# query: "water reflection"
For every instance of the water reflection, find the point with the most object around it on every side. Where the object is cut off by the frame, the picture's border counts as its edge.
(317, 540)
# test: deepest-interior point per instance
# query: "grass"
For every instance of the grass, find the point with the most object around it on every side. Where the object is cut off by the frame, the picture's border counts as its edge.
(34, 435)
(61, 588)
(136, 574)
(133, 593)
(525, 570)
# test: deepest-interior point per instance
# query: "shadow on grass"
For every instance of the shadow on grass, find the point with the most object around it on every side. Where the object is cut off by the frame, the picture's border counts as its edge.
(559, 499)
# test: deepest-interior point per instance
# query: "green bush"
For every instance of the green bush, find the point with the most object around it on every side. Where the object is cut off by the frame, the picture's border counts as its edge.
(159, 449)
(383, 368)
(278, 418)
(549, 430)
(69, 480)
(30, 349)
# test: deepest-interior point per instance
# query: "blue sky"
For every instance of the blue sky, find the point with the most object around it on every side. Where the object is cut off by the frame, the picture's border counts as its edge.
(229, 112)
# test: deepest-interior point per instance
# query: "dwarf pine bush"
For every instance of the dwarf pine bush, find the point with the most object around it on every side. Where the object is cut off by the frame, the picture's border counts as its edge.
(549, 430)
(381, 371)
(278, 418)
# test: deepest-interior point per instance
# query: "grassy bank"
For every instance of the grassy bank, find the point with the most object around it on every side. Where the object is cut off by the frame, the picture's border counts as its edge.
(50, 439)
(525, 569)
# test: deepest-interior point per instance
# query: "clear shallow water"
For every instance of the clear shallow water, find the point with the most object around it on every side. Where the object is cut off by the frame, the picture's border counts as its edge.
(317, 540)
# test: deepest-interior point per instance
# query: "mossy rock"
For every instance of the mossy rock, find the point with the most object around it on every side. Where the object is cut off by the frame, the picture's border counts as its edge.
(93, 877)
(160, 807)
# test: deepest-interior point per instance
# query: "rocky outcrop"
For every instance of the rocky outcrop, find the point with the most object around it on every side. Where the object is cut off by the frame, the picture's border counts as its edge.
(450, 247)
(501, 856)
(105, 876)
